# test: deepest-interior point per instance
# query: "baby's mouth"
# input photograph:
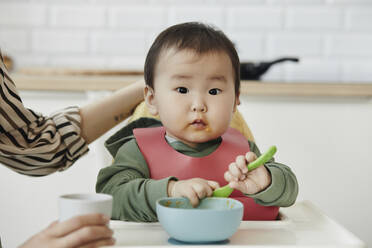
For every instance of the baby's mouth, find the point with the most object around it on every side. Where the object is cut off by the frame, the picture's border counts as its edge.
(199, 124)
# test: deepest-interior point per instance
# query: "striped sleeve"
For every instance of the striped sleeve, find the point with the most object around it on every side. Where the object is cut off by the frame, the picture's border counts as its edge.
(31, 143)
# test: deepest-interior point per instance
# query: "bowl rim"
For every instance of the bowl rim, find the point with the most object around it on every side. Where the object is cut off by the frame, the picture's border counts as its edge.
(86, 197)
(238, 208)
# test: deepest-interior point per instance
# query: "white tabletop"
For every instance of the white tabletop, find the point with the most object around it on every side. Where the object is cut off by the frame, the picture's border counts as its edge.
(301, 225)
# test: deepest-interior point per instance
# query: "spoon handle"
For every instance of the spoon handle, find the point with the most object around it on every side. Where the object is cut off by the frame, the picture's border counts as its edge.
(264, 158)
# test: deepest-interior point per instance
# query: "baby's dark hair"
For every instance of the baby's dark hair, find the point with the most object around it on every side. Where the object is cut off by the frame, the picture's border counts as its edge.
(195, 36)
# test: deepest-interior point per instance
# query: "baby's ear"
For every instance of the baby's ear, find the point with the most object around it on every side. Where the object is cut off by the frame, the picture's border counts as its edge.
(237, 101)
(150, 100)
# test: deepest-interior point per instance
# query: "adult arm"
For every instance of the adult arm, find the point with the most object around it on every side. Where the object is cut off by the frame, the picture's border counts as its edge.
(36, 145)
(112, 110)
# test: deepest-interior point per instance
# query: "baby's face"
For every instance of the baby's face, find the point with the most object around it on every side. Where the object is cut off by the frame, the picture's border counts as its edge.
(193, 94)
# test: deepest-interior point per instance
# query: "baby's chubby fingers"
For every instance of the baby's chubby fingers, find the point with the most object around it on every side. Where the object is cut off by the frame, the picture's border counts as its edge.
(250, 157)
(204, 188)
(193, 197)
(235, 185)
(194, 189)
(233, 182)
(235, 169)
(241, 163)
(213, 184)
(228, 177)
(201, 189)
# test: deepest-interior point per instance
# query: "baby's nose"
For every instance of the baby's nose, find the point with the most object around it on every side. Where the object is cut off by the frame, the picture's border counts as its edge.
(202, 109)
(199, 107)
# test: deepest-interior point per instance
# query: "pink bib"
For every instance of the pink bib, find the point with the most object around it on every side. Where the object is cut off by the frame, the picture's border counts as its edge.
(163, 161)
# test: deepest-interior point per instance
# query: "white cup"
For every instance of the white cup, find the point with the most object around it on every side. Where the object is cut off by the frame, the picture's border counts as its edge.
(81, 204)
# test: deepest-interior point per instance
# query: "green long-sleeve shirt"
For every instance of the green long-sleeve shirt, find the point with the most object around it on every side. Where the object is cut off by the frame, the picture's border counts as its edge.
(135, 194)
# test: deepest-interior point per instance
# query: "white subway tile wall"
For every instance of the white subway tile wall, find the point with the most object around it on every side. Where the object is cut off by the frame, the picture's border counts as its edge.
(332, 38)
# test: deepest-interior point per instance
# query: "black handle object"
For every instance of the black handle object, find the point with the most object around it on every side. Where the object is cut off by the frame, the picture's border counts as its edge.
(254, 71)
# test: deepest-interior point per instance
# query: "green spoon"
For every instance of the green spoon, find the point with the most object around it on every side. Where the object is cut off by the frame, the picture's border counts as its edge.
(226, 191)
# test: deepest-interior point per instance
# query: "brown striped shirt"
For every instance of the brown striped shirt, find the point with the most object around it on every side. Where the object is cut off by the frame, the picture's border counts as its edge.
(33, 144)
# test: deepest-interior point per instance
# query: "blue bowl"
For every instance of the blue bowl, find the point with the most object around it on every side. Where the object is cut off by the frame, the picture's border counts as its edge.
(215, 219)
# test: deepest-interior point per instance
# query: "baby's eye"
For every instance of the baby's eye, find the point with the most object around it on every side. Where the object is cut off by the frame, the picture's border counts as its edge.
(182, 90)
(214, 91)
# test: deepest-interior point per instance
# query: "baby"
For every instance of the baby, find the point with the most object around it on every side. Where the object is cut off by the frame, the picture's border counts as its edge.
(192, 83)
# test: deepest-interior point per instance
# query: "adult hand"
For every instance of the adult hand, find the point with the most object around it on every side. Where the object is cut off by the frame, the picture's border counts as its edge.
(82, 231)
(248, 182)
(194, 189)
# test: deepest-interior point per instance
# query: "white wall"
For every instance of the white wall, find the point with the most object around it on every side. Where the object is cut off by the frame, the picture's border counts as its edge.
(327, 142)
(332, 37)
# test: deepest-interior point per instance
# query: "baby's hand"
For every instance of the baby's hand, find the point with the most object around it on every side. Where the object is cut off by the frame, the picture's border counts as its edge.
(194, 189)
(248, 182)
